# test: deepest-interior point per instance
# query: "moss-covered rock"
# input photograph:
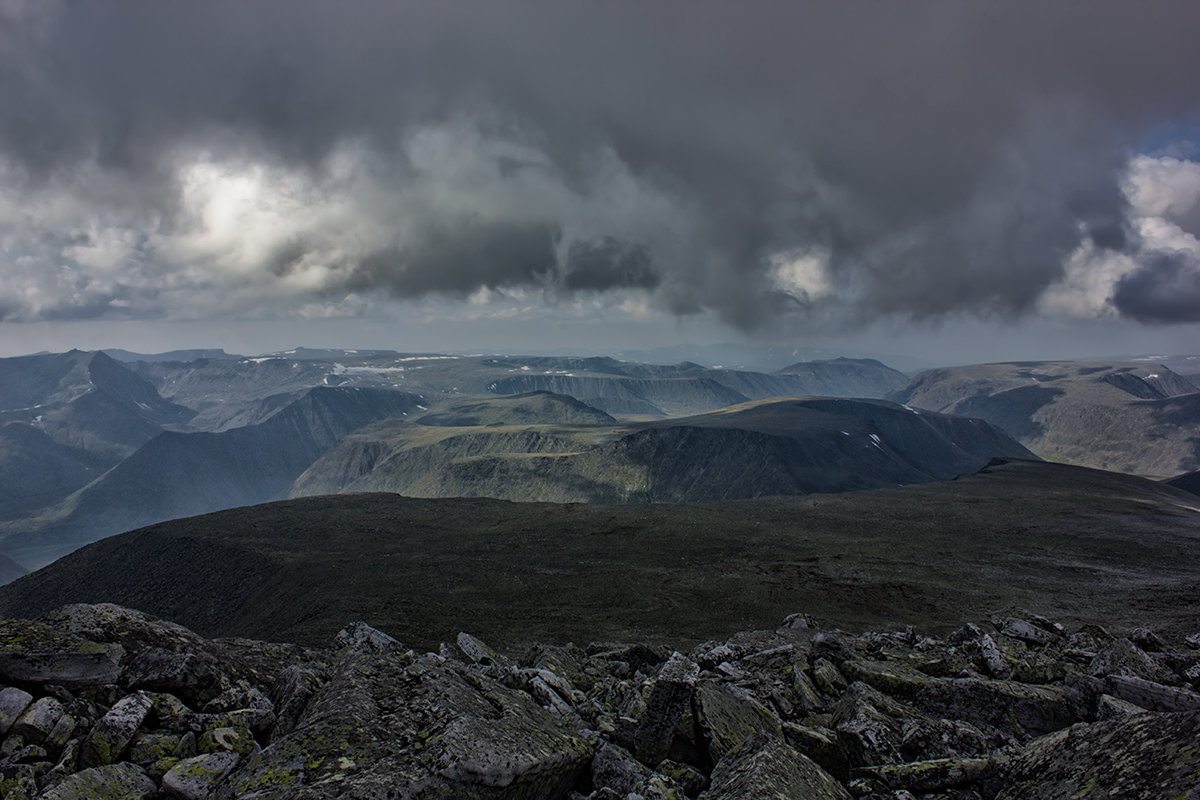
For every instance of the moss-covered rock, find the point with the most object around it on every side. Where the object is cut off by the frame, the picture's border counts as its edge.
(1143, 757)
(727, 717)
(34, 652)
(196, 778)
(109, 782)
(890, 677)
(392, 723)
(1016, 708)
(764, 767)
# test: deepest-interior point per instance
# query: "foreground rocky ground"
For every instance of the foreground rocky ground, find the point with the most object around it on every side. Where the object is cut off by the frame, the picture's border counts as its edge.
(104, 702)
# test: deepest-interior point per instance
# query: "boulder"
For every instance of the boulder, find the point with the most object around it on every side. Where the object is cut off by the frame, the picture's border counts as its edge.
(113, 732)
(1015, 708)
(669, 700)
(109, 782)
(38, 721)
(392, 724)
(34, 652)
(13, 702)
(1142, 757)
(765, 767)
(198, 777)
(727, 717)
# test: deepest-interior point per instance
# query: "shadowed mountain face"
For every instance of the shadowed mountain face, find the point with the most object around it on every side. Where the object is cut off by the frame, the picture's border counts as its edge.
(767, 447)
(933, 555)
(1189, 482)
(66, 418)
(179, 474)
(1136, 418)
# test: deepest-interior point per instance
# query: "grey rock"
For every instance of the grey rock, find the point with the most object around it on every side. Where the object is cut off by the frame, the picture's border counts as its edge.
(616, 769)
(261, 711)
(993, 658)
(38, 720)
(1151, 695)
(194, 676)
(1142, 757)
(727, 717)
(361, 636)
(930, 776)
(109, 782)
(765, 767)
(1123, 657)
(394, 725)
(478, 652)
(112, 733)
(669, 700)
(1109, 707)
(196, 778)
(1026, 631)
(1013, 707)
(33, 652)
(13, 702)
(291, 692)
(828, 678)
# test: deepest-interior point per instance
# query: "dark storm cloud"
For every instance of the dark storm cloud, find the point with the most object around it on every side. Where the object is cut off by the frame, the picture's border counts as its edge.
(1164, 288)
(944, 157)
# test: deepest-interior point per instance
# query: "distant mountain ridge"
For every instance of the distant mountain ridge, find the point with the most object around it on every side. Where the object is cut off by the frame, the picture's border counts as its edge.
(1137, 418)
(767, 447)
(182, 474)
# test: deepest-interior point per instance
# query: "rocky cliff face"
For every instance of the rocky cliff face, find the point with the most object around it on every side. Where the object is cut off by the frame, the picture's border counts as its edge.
(104, 702)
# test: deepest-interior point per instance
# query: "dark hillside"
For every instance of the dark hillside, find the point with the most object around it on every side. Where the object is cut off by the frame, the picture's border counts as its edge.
(1075, 543)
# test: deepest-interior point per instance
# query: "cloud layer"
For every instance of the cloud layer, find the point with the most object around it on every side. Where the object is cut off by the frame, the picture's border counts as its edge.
(778, 162)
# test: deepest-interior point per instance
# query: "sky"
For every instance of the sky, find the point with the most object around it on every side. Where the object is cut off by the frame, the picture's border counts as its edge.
(951, 181)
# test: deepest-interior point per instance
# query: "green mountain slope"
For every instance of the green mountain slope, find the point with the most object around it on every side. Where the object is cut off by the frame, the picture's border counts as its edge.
(1137, 418)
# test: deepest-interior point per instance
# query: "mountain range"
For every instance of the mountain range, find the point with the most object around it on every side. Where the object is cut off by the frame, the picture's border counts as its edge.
(1128, 417)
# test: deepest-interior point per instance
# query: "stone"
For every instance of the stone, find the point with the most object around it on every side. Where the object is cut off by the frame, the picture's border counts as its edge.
(290, 693)
(260, 710)
(822, 745)
(889, 677)
(1151, 695)
(478, 652)
(193, 676)
(33, 652)
(112, 733)
(1141, 757)
(765, 767)
(109, 782)
(669, 700)
(1123, 657)
(688, 778)
(1109, 707)
(727, 717)
(616, 769)
(827, 677)
(147, 748)
(234, 740)
(391, 724)
(929, 776)
(1013, 707)
(361, 636)
(196, 778)
(38, 720)
(993, 658)
(13, 702)
(1026, 631)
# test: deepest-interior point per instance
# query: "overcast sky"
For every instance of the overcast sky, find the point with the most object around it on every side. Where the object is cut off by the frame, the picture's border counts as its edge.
(959, 180)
